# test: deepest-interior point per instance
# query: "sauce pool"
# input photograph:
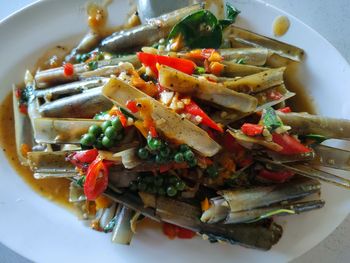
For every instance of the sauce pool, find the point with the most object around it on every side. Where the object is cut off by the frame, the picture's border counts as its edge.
(55, 189)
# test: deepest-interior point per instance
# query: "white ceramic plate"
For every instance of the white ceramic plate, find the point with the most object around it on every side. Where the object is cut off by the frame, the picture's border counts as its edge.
(42, 231)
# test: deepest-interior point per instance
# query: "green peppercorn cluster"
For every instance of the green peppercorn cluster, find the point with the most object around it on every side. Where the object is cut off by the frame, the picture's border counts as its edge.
(160, 152)
(169, 185)
(105, 136)
(212, 171)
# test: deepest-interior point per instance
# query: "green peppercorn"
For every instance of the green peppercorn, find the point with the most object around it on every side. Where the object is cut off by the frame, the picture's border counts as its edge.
(87, 139)
(117, 124)
(173, 180)
(171, 191)
(159, 159)
(154, 144)
(106, 142)
(158, 181)
(165, 151)
(180, 185)
(212, 171)
(95, 130)
(179, 158)
(141, 186)
(161, 191)
(184, 148)
(100, 56)
(92, 65)
(133, 186)
(105, 125)
(111, 132)
(78, 58)
(192, 163)
(143, 153)
(84, 57)
(189, 155)
(98, 144)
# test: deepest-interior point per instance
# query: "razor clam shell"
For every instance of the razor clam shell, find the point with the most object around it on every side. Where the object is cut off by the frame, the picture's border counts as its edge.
(232, 69)
(241, 37)
(84, 105)
(174, 127)
(256, 197)
(23, 130)
(51, 77)
(122, 233)
(257, 82)
(304, 124)
(108, 215)
(250, 215)
(61, 131)
(251, 56)
(70, 88)
(331, 157)
(50, 164)
(146, 34)
(205, 90)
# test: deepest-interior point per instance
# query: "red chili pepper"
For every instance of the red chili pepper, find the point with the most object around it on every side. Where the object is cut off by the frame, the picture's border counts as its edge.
(285, 110)
(68, 69)
(290, 144)
(151, 60)
(173, 231)
(193, 109)
(131, 105)
(277, 176)
(18, 93)
(96, 179)
(252, 129)
(122, 118)
(23, 109)
(87, 156)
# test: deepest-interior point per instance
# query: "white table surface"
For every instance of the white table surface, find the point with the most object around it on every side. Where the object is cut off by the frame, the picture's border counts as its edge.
(331, 19)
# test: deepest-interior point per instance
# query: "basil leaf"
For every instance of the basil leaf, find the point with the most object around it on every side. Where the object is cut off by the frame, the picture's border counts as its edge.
(200, 29)
(231, 15)
(199, 70)
(270, 119)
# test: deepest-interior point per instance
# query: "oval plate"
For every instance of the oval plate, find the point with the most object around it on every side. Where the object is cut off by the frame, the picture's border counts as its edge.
(42, 231)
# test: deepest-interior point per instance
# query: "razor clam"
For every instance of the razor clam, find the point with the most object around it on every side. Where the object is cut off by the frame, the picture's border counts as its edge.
(84, 105)
(168, 122)
(250, 56)
(331, 157)
(69, 88)
(205, 90)
(308, 171)
(50, 164)
(55, 76)
(61, 131)
(187, 216)
(108, 215)
(23, 130)
(304, 124)
(229, 116)
(241, 37)
(76, 193)
(232, 69)
(122, 233)
(242, 205)
(146, 34)
(257, 82)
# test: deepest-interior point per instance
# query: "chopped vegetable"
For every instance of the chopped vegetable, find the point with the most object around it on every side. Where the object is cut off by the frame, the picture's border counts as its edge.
(270, 119)
(231, 15)
(289, 144)
(193, 109)
(151, 60)
(68, 69)
(96, 179)
(252, 129)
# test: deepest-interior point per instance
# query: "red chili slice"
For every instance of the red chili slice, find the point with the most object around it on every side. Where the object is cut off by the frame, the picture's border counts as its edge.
(96, 181)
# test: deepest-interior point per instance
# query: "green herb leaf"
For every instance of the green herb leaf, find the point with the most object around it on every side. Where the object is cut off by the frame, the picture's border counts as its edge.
(199, 70)
(231, 15)
(314, 137)
(200, 29)
(270, 119)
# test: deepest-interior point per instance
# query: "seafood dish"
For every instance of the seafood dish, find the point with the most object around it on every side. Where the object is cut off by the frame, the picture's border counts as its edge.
(184, 119)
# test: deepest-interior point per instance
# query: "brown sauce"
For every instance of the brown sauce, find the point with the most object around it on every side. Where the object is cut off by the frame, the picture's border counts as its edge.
(54, 189)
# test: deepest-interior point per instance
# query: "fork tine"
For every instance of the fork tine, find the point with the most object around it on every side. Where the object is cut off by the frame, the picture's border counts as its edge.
(310, 172)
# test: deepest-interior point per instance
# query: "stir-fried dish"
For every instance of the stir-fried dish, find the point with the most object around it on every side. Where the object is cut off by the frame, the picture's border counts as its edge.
(185, 120)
